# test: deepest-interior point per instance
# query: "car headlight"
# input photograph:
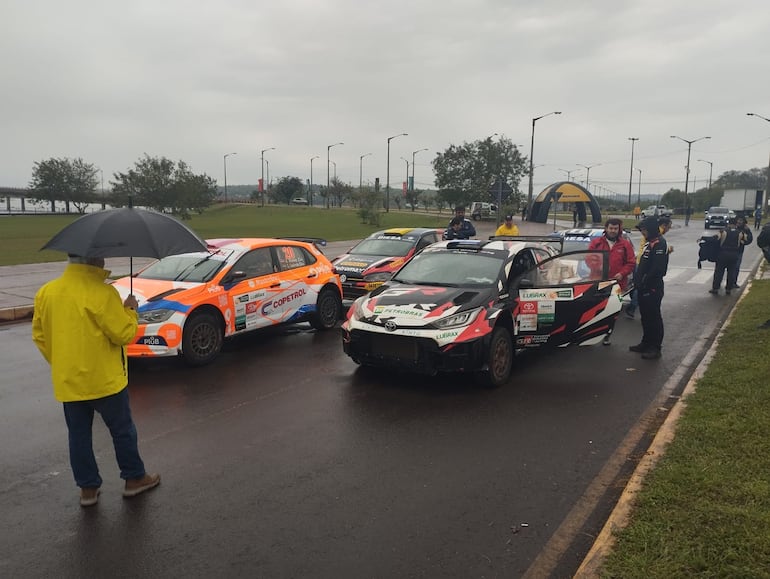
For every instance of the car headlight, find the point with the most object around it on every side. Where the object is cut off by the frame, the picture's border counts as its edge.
(155, 316)
(456, 320)
(380, 276)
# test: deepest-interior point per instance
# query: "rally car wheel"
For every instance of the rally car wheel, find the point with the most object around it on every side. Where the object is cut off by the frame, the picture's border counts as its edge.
(202, 339)
(328, 310)
(499, 359)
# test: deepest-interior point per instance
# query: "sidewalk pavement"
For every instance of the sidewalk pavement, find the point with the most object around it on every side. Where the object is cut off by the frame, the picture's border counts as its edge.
(19, 283)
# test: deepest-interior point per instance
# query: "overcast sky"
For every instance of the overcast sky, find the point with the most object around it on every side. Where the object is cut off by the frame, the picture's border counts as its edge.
(109, 81)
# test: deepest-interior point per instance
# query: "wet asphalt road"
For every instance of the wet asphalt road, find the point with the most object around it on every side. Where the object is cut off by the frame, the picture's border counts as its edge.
(283, 459)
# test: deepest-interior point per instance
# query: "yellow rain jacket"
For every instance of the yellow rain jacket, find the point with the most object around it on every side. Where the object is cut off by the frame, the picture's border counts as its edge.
(81, 327)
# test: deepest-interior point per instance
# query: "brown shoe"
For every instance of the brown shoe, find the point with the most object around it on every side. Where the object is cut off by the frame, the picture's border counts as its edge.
(89, 496)
(135, 486)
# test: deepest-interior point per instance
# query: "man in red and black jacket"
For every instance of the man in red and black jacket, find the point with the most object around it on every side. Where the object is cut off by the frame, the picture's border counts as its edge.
(653, 265)
(622, 260)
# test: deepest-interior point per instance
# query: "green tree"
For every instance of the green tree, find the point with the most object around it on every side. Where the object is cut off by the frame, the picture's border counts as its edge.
(287, 189)
(70, 180)
(413, 198)
(163, 185)
(464, 173)
(751, 179)
(339, 192)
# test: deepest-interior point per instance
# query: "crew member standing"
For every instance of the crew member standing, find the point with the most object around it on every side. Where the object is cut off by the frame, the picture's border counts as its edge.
(621, 256)
(653, 264)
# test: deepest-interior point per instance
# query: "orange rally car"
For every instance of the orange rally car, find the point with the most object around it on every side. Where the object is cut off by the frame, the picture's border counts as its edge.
(189, 303)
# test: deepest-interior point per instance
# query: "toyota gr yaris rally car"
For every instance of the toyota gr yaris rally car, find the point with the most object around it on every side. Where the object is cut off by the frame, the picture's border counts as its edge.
(469, 305)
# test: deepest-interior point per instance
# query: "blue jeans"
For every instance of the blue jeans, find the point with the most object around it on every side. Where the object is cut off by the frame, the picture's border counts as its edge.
(116, 414)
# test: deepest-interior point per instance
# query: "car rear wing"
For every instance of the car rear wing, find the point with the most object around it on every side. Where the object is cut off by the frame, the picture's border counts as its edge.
(555, 240)
(317, 241)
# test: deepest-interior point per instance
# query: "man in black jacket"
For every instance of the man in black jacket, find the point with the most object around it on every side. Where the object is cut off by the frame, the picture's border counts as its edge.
(653, 264)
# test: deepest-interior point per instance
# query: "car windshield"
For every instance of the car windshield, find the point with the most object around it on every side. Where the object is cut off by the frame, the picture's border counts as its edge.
(194, 267)
(451, 269)
(383, 246)
(719, 210)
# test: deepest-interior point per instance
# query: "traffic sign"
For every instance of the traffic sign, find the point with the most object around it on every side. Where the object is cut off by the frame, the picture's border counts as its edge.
(500, 189)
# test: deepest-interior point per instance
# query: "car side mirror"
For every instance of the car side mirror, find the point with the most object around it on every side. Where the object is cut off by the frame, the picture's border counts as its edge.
(234, 276)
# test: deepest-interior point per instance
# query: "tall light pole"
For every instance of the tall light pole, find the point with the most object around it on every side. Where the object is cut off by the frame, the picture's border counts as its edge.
(328, 148)
(767, 182)
(335, 169)
(104, 205)
(387, 172)
(531, 161)
(310, 196)
(711, 170)
(262, 158)
(407, 172)
(588, 172)
(569, 173)
(267, 186)
(361, 171)
(639, 192)
(631, 174)
(224, 161)
(687, 176)
(413, 154)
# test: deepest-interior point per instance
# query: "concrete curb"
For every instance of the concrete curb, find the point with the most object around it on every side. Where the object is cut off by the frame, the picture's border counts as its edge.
(17, 314)
(621, 515)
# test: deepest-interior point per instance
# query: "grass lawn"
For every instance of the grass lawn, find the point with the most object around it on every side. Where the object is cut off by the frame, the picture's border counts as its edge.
(704, 511)
(22, 236)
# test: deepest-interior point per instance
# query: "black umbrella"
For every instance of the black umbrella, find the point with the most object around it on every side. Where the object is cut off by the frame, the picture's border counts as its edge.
(126, 232)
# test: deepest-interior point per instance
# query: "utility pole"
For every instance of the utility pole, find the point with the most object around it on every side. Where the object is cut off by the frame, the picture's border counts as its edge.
(631, 175)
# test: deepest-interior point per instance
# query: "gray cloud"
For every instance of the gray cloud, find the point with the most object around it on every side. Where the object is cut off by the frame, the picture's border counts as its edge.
(109, 81)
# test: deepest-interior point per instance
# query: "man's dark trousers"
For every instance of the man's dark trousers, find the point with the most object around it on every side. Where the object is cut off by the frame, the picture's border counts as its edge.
(652, 320)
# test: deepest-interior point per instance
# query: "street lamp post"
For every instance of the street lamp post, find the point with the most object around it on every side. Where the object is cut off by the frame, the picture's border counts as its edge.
(267, 185)
(387, 172)
(588, 172)
(361, 171)
(711, 170)
(310, 195)
(224, 161)
(413, 154)
(687, 176)
(262, 158)
(631, 174)
(328, 148)
(569, 173)
(639, 192)
(767, 182)
(407, 172)
(531, 161)
(104, 205)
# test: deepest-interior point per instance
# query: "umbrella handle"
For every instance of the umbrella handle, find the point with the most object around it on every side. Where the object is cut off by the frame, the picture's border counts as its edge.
(131, 275)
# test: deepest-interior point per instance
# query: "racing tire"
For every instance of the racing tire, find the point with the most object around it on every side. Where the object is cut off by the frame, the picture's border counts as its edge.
(202, 339)
(499, 360)
(328, 310)
(708, 226)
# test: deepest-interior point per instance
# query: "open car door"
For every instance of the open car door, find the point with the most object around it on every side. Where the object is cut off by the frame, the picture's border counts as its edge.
(566, 299)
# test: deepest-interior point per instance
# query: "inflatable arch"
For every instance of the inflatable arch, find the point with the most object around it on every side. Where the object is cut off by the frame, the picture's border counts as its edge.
(565, 192)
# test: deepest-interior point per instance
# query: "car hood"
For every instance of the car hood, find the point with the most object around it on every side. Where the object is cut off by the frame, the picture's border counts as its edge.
(152, 293)
(415, 305)
(352, 263)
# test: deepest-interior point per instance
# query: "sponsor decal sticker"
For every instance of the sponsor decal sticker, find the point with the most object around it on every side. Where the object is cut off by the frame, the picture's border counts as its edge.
(528, 323)
(546, 294)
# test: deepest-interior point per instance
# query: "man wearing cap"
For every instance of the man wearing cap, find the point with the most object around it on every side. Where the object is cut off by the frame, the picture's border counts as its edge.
(508, 227)
(653, 264)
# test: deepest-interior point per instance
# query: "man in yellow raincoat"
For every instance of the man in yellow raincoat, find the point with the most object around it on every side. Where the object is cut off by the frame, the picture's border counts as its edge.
(81, 328)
